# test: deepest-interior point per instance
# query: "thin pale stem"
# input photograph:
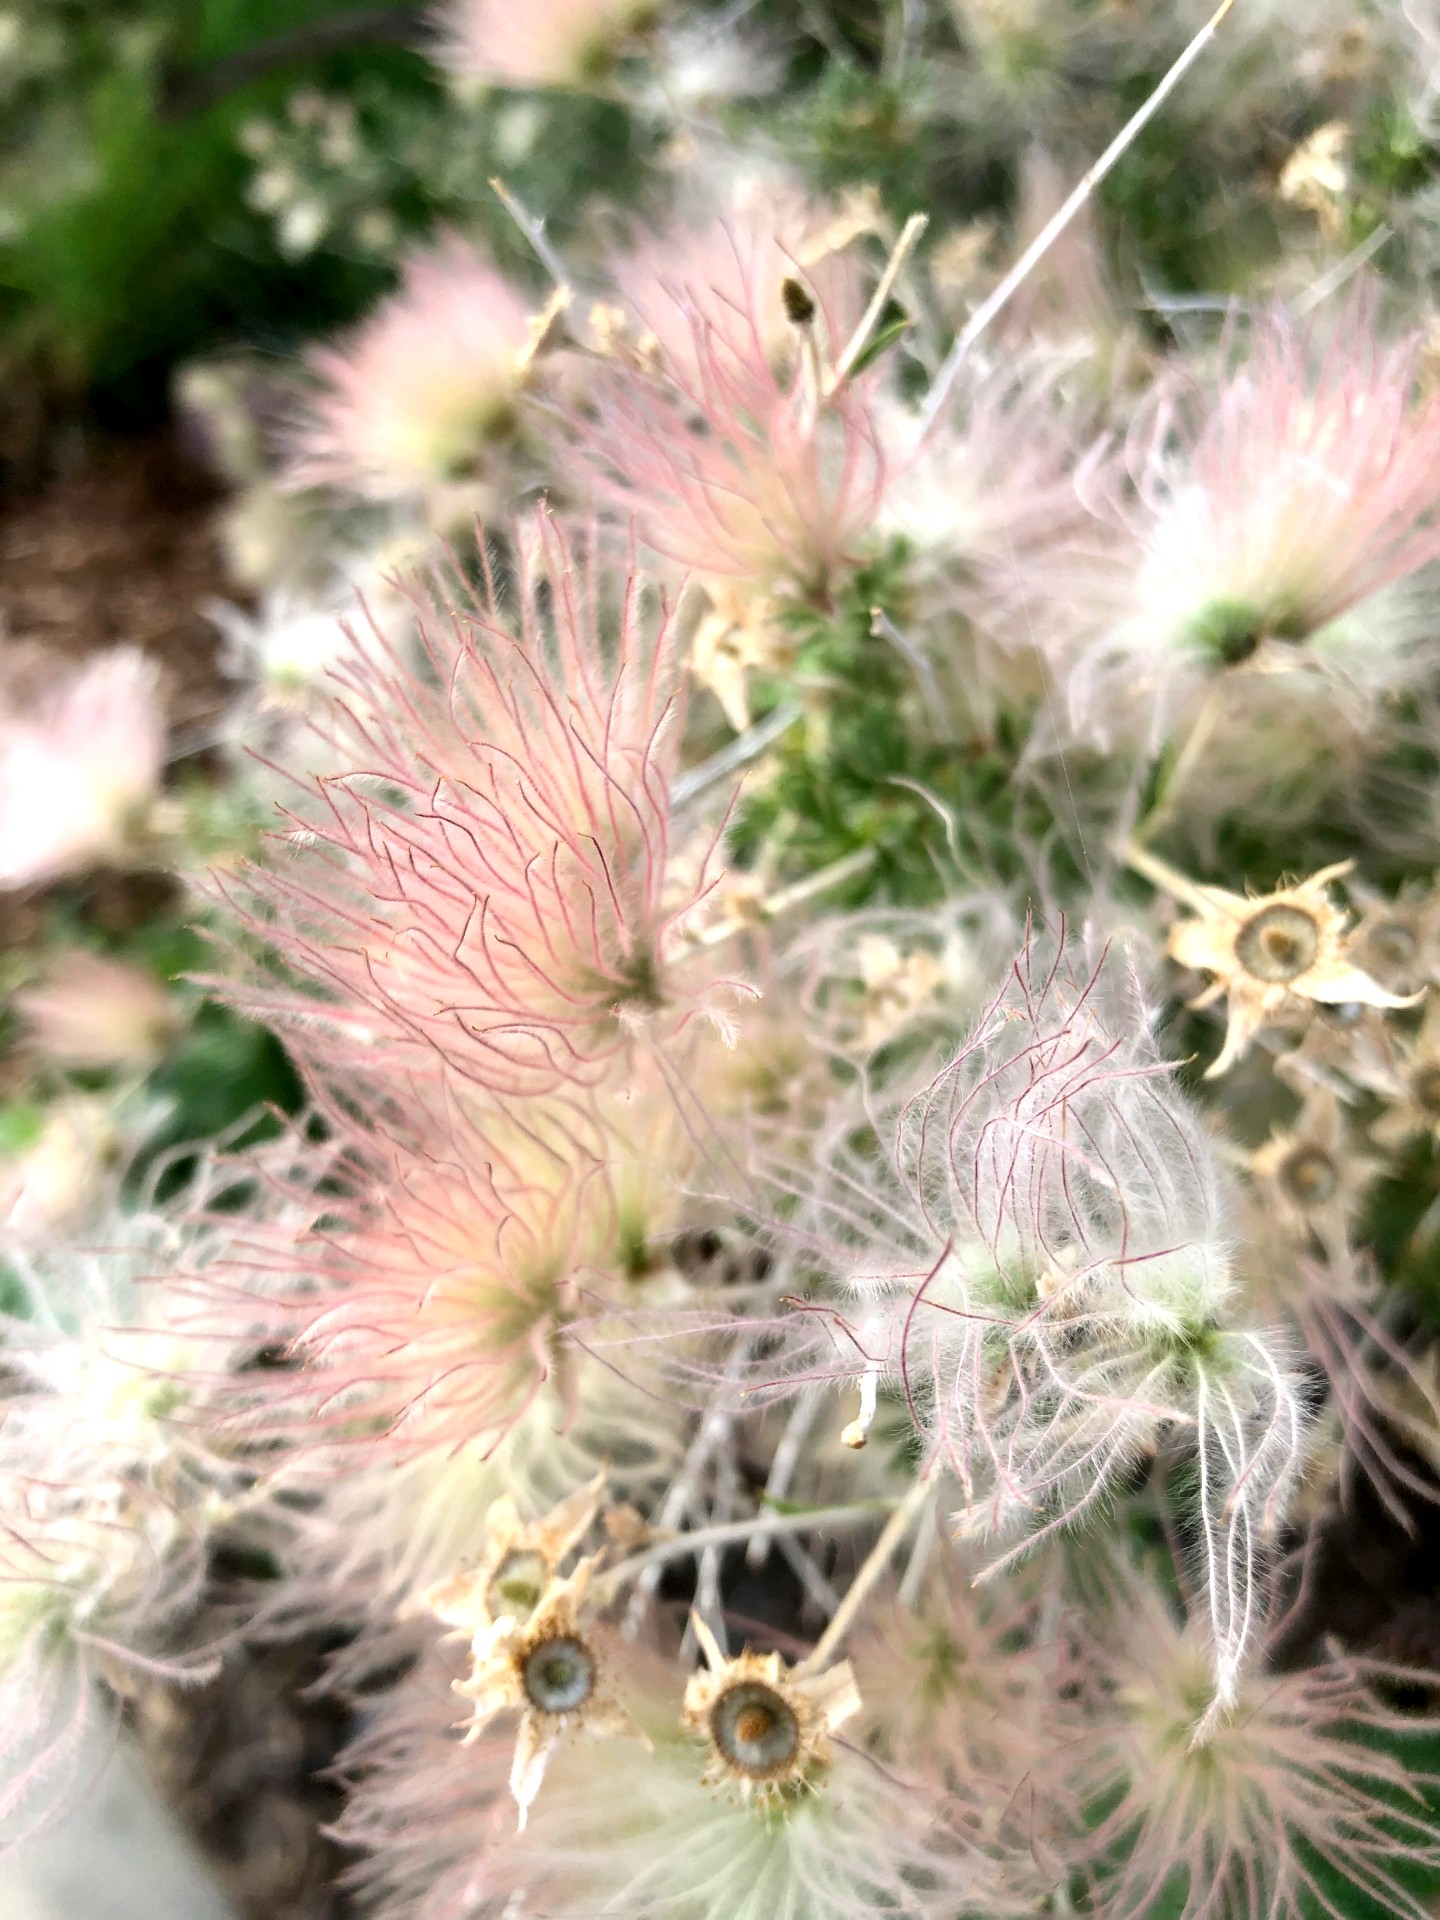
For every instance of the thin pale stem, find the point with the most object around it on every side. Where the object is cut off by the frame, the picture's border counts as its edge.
(1054, 227)
(534, 232)
(1344, 270)
(711, 1435)
(707, 1570)
(731, 1533)
(1184, 765)
(1167, 878)
(739, 753)
(782, 1467)
(860, 339)
(788, 897)
(912, 1581)
(870, 1571)
(817, 1589)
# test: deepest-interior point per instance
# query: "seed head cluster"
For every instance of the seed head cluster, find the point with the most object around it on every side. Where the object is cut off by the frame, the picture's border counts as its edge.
(780, 1267)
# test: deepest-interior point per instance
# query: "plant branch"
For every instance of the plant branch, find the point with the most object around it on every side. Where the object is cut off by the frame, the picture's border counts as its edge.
(1162, 875)
(873, 1566)
(185, 92)
(1056, 225)
(909, 235)
(732, 1533)
(788, 897)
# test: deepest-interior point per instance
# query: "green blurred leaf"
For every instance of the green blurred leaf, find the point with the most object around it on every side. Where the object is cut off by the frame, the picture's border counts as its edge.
(21, 1124)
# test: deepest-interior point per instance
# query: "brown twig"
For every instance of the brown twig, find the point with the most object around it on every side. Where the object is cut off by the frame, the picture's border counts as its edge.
(188, 91)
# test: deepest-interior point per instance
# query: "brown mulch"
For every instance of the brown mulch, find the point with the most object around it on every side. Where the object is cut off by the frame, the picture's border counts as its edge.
(245, 1762)
(115, 547)
(109, 542)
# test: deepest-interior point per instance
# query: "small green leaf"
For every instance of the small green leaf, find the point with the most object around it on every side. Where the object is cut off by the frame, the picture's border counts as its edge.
(889, 333)
(21, 1124)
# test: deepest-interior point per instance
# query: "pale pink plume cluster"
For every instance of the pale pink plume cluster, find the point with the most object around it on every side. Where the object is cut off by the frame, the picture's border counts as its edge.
(91, 1011)
(421, 1271)
(1046, 1279)
(551, 43)
(727, 267)
(1312, 1790)
(734, 444)
(110, 1489)
(1007, 555)
(1265, 518)
(426, 387)
(81, 758)
(493, 981)
(980, 1680)
(493, 889)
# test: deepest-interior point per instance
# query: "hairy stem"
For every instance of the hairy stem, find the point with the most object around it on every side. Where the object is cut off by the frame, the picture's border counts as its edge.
(731, 1533)
(792, 896)
(1162, 875)
(873, 1566)
(1184, 764)
(1053, 228)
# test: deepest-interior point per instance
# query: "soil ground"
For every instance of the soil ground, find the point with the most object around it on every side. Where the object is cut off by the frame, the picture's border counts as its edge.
(116, 546)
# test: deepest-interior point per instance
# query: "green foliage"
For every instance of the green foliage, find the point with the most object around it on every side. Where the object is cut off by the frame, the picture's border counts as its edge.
(21, 1124)
(864, 769)
(171, 185)
(138, 247)
(1172, 226)
(1418, 1753)
(1392, 157)
(905, 137)
(225, 1069)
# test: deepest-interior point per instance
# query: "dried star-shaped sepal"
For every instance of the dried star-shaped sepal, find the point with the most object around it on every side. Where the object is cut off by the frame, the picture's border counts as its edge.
(1270, 954)
(1406, 1075)
(520, 1560)
(767, 1729)
(1312, 1177)
(738, 635)
(1398, 941)
(548, 1668)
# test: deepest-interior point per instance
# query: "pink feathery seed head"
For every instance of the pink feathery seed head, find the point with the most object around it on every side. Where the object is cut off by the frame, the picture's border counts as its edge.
(494, 887)
(90, 1011)
(1045, 1277)
(992, 507)
(975, 1685)
(429, 381)
(725, 274)
(1057, 1152)
(109, 1491)
(1294, 493)
(423, 1812)
(1307, 1795)
(1006, 456)
(551, 43)
(1376, 1386)
(81, 756)
(422, 1277)
(422, 1301)
(732, 459)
